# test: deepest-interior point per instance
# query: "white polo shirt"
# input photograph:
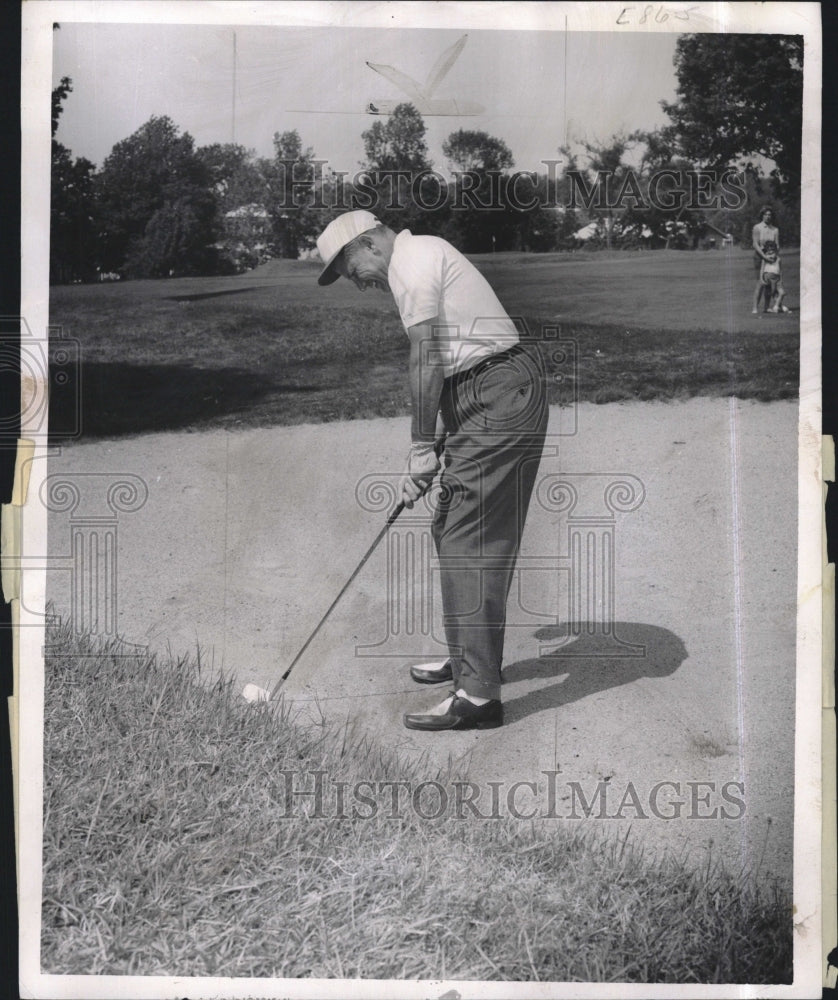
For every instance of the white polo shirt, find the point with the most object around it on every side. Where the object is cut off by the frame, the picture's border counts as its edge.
(431, 279)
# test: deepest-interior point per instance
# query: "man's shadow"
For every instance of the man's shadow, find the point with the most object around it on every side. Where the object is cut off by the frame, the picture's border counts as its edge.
(589, 660)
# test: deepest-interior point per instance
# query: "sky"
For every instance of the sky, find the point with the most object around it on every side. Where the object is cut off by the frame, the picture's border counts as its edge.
(539, 88)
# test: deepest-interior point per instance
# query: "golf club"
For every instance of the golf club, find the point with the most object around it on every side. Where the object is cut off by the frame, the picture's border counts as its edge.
(254, 693)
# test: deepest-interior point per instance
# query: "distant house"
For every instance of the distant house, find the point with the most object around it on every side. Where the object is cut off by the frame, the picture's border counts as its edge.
(247, 221)
(586, 232)
(677, 235)
(635, 236)
(247, 236)
(631, 236)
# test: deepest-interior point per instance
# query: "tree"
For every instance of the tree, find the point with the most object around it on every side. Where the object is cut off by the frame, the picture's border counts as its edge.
(407, 194)
(398, 144)
(739, 96)
(72, 235)
(59, 95)
(156, 174)
(72, 249)
(671, 227)
(176, 239)
(477, 151)
(293, 186)
(601, 183)
(240, 184)
(234, 175)
(530, 220)
(481, 218)
(568, 225)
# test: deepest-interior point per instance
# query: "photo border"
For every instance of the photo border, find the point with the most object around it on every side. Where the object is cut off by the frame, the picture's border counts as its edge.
(29, 686)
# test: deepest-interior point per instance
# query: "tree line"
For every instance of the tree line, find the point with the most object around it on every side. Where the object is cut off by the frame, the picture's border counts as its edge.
(160, 206)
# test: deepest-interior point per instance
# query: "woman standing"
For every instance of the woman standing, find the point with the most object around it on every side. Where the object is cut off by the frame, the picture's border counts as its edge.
(764, 232)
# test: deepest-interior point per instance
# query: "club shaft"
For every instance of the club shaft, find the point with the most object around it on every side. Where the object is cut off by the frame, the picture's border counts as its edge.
(390, 521)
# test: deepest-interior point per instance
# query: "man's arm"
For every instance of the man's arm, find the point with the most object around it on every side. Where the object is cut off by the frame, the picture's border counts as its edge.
(426, 378)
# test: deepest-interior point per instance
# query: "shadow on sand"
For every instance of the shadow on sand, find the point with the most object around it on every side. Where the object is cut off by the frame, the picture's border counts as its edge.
(591, 662)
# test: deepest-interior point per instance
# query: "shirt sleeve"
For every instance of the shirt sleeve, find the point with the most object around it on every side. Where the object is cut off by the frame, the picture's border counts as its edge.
(416, 282)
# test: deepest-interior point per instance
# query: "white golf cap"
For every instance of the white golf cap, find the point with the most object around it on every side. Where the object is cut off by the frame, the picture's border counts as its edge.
(336, 235)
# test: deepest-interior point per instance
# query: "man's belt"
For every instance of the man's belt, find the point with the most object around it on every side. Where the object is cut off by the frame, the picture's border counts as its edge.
(484, 364)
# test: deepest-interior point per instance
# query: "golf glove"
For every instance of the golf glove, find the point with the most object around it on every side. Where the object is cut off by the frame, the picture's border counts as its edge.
(422, 465)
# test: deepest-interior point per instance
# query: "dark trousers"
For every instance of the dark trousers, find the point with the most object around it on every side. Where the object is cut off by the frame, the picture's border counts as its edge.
(496, 418)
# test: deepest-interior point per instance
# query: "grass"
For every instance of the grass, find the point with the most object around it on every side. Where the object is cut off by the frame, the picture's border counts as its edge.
(271, 348)
(168, 850)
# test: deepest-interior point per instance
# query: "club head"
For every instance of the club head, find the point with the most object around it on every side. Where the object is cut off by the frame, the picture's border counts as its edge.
(253, 693)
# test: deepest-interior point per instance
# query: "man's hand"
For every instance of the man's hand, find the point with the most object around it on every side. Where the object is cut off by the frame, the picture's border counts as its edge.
(422, 465)
(440, 433)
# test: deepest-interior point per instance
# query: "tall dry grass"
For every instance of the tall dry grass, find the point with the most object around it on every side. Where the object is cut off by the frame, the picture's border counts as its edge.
(169, 849)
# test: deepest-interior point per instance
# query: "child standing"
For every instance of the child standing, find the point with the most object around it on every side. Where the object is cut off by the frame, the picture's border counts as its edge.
(771, 275)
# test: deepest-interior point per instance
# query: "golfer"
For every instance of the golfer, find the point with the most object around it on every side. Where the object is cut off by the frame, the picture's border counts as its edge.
(474, 384)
